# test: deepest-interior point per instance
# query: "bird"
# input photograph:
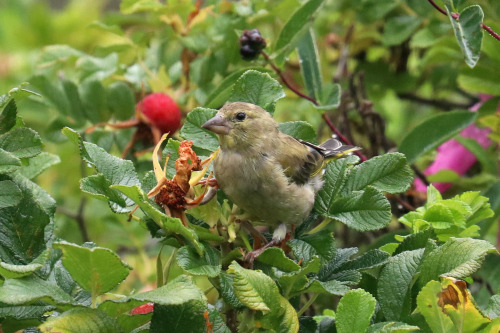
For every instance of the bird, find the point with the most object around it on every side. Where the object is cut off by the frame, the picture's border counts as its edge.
(272, 176)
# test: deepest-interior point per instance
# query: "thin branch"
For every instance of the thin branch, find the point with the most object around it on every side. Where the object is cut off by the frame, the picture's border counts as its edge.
(456, 16)
(442, 104)
(312, 100)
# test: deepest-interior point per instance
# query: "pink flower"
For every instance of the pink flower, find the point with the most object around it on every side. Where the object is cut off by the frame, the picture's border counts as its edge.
(453, 156)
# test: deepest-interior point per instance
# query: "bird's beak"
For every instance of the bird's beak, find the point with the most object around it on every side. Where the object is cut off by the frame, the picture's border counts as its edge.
(217, 124)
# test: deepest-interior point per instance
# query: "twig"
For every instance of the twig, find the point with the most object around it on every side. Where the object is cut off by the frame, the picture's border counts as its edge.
(307, 305)
(442, 104)
(312, 100)
(456, 17)
(285, 80)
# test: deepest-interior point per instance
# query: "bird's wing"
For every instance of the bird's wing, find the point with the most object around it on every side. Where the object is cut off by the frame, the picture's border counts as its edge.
(301, 159)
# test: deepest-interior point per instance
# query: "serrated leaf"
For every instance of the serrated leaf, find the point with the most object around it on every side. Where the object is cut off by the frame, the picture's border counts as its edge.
(38, 164)
(21, 142)
(434, 131)
(10, 194)
(31, 288)
(468, 32)
(99, 187)
(299, 130)
(493, 308)
(76, 110)
(294, 283)
(169, 224)
(395, 282)
(179, 305)
(33, 311)
(332, 287)
(115, 170)
(192, 130)
(392, 326)
(399, 28)
(310, 64)
(8, 117)
(257, 88)
(93, 95)
(52, 92)
(22, 227)
(227, 290)
(387, 173)
(275, 257)
(458, 258)
(354, 311)
(83, 320)
(222, 92)
(362, 210)
(121, 101)
(321, 244)
(97, 270)
(370, 259)
(327, 272)
(189, 260)
(96, 69)
(334, 179)
(8, 162)
(295, 27)
(10, 271)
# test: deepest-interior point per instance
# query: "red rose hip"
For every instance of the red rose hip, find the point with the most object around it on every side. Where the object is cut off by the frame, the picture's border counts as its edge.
(161, 111)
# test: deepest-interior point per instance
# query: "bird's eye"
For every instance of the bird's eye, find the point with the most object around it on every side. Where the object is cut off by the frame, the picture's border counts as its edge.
(241, 116)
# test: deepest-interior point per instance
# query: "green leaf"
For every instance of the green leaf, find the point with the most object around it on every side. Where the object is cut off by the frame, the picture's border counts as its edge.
(370, 259)
(52, 93)
(222, 91)
(82, 320)
(76, 110)
(97, 270)
(8, 162)
(96, 69)
(21, 142)
(321, 244)
(296, 26)
(371, 10)
(179, 305)
(227, 290)
(310, 64)
(469, 32)
(190, 261)
(38, 164)
(257, 88)
(299, 130)
(493, 308)
(113, 169)
(479, 79)
(121, 101)
(31, 288)
(10, 271)
(387, 173)
(332, 287)
(458, 258)
(22, 227)
(330, 96)
(93, 95)
(33, 311)
(434, 131)
(362, 210)
(275, 257)
(399, 28)
(334, 179)
(10, 194)
(395, 282)
(192, 130)
(354, 311)
(253, 288)
(169, 224)
(8, 117)
(392, 326)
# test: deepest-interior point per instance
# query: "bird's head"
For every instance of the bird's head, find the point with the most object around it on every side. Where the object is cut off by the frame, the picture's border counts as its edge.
(241, 125)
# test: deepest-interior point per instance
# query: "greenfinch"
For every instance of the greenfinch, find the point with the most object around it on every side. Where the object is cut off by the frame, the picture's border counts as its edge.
(272, 176)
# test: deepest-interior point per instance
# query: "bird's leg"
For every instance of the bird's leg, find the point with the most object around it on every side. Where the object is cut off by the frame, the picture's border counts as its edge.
(279, 235)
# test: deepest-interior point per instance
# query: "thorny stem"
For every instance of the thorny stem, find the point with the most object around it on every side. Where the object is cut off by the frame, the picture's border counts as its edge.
(312, 100)
(456, 16)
